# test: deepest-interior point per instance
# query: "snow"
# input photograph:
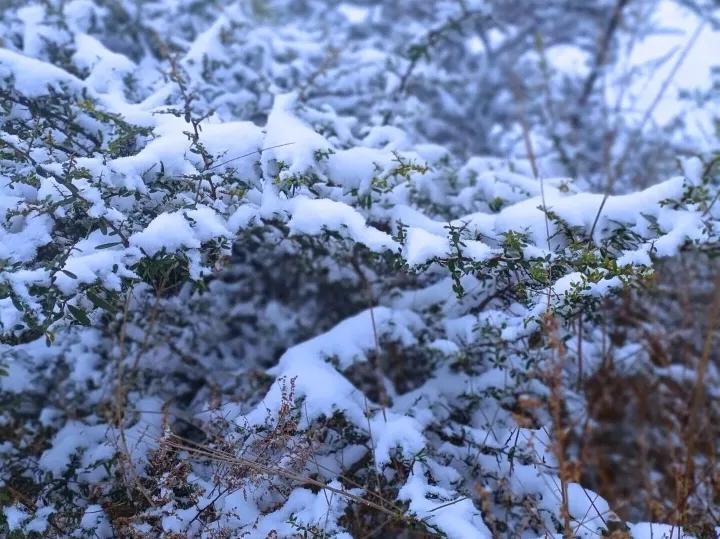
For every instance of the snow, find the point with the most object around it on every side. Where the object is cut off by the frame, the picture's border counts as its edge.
(94, 520)
(390, 431)
(106, 68)
(155, 236)
(354, 13)
(33, 77)
(242, 217)
(14, 516)
(355, 168)
(422, 246)
(72, 437)
(694, 73)
(39, 523)
(308, 508)
(289, 140)
(9, 317)
(458, 520)
(693, 169)
(173, 231)
(206, 42)
(88, 267)
(21, 242)
(231, 140)
(587, 508)
(568, 58)
(323, 388)
(648, 530)
(313, 216)
(35, 32)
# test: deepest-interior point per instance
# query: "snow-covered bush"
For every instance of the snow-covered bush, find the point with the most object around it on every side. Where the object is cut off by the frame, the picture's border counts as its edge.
(255, 282)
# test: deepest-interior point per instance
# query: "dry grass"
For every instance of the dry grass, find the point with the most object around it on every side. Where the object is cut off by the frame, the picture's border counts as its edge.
(650, 445)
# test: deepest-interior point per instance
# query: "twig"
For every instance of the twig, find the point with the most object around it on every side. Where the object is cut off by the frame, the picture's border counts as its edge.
(648, 113)
(260, 151)
(601, 55)
(184, 444)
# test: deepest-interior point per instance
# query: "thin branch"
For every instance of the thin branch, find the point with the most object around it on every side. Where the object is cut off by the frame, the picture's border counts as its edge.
(259, 152)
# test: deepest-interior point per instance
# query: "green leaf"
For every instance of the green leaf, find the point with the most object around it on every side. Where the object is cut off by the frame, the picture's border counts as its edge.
(99, 302)
(69, 274)
(108, 245)
(79, 314)
(16, 303)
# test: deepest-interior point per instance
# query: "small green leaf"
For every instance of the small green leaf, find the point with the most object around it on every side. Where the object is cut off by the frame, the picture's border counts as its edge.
(99, 302)
(69, 274)
(79, 314)
(16, 303)
(108, 245)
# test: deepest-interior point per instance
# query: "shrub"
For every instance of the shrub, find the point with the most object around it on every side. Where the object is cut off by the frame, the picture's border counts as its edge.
(179, 211)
